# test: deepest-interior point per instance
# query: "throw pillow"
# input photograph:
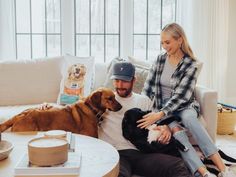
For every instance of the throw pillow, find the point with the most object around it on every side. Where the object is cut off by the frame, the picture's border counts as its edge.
(141, 72)
(141, 75)
(77, 79)
(142, 69)
(139, 62)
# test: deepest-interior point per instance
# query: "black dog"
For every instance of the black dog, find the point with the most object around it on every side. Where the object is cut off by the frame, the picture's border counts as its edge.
(138, 136)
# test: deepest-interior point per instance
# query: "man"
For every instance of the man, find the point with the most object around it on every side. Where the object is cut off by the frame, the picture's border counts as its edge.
(133, 161)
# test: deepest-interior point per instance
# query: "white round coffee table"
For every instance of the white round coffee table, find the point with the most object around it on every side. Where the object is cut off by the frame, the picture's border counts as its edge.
(98, 157)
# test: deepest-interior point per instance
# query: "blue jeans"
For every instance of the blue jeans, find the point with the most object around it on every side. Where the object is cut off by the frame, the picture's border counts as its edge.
(189, 119)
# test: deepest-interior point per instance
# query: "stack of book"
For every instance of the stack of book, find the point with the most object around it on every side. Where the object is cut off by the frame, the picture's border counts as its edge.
(70, 168)
(71, 141)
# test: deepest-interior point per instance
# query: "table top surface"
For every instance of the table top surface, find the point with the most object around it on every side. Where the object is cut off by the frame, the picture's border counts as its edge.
(98, 157)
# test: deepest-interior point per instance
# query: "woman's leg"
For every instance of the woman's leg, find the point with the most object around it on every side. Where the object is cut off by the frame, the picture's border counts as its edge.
(191, 122)
(218, 161)
(190, 157)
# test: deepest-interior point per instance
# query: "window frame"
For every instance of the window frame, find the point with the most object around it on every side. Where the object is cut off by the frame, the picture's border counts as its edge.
(105, 34)
(147, 34)
(68, 33)
(31, 34)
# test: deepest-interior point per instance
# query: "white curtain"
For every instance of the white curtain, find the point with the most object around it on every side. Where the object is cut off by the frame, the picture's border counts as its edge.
(7, 38)
(206, 25)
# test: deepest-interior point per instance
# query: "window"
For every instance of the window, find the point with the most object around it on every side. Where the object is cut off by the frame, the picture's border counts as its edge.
(149, 18)
(37, 28)
(91, 27)
(97, 28)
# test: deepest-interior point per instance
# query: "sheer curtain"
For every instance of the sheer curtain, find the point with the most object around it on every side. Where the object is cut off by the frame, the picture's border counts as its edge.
(206, 25)
(7, 38)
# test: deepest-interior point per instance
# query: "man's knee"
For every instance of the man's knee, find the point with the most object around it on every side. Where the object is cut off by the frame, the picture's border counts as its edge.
(124, 173)
(181, 170)
(125, 169)
(177, 169)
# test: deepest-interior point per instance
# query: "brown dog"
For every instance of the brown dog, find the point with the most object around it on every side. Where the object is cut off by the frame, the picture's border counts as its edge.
(81, 117)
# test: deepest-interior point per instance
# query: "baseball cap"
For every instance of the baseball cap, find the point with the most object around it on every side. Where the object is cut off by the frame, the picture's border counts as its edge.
(123, 71)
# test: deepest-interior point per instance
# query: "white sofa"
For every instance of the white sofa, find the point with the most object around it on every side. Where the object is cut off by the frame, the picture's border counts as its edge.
(29, 83)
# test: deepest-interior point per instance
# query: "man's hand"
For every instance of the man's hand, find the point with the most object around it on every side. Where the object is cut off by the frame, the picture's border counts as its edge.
(45, 106)
(165, 136)
(150, 119)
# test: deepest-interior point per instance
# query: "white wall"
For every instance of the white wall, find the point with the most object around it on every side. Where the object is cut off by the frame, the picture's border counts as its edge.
(231, 72)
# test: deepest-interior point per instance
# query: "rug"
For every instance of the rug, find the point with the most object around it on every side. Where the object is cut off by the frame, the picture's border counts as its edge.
(227, 143)
(233, 168)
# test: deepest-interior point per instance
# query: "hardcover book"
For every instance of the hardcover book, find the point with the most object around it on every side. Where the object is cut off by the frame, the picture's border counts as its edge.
(70, 168)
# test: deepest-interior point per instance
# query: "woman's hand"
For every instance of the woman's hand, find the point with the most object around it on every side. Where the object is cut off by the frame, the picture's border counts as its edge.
(165, 136)
(149, 119)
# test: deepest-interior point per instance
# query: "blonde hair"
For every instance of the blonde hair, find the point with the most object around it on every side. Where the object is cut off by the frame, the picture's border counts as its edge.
(176, 31)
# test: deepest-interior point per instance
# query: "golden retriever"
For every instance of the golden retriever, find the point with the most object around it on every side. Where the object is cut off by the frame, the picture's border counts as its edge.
(81, 117)
(74, 82)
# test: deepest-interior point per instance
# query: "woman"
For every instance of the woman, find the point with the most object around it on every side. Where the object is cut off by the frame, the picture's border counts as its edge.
(171, 82)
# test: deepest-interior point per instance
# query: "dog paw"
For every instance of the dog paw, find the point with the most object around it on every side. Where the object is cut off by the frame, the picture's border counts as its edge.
(153, 134)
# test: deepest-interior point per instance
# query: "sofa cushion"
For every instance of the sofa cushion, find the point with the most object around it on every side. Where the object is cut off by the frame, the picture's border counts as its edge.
(139, 62)
(141, 73)
(30, 81)
(100, 75)
(76, 83)
(7, 112)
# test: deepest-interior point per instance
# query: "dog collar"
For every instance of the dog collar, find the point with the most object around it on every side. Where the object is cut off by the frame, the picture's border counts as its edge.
(98, 114)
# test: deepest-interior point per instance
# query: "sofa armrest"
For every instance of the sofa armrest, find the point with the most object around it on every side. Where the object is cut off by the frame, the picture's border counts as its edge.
(208, 105)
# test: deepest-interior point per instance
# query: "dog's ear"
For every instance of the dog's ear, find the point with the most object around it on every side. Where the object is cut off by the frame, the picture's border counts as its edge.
(146, 112)
(69, 71)
(83, 68)
(96, 98)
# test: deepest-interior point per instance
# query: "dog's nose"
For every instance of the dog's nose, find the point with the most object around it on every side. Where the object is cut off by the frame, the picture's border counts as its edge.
(77, 70)
(119, 107)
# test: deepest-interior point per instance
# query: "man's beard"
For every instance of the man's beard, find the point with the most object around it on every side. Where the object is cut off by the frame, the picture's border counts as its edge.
(125, 91)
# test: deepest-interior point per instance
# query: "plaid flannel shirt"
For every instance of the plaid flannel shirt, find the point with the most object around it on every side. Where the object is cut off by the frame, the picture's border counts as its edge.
(183, 82)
